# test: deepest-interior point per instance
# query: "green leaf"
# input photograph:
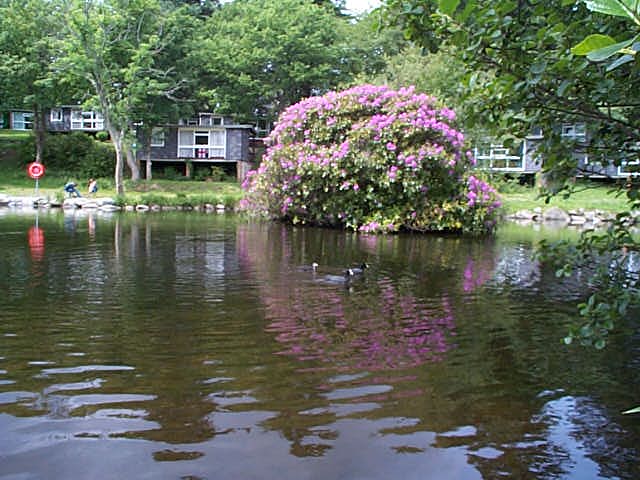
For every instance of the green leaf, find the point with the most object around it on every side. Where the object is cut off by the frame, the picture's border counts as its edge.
(448, 7)
(538, 67)
(593, 42)
(563, 87)
(618, 8)
(620, 61)
(606, 52)
(633, 410)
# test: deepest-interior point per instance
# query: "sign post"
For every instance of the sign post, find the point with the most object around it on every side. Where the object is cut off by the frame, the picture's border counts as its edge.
(35, 171)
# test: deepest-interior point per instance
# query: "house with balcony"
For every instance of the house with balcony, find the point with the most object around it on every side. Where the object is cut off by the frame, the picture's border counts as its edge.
(525, 159)
(200, 142)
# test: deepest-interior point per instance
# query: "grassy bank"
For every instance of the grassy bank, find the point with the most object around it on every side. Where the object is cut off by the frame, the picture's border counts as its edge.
(588, 196)
(184, 192)
(14, 181)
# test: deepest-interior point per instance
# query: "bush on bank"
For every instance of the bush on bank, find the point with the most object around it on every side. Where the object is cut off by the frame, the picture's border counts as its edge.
(371, 159)
(77, 154)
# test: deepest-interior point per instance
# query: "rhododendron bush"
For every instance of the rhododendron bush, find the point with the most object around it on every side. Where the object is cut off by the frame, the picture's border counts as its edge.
(370, 159)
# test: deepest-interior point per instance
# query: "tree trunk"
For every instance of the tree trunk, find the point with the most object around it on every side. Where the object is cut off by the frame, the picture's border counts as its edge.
(148, 175)
(39, 132)
(116, 138)
(133, 164)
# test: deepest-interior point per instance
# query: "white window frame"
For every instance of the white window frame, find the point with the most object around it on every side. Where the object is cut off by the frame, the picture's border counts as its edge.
(55, 115)
(214, 148)
(22, 120)
(536, 132)
(497, 157)
(86, 120)
(158, 137)
(574, 130)
(210, 120)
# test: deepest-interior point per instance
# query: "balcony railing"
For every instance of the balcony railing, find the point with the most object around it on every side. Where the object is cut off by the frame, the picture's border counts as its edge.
(498, 158)
(200, 152)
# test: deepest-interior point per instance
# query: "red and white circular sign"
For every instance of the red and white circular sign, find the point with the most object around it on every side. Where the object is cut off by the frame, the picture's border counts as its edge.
(35, 170)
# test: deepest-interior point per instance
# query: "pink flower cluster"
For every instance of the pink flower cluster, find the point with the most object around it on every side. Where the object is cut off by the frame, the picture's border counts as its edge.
(347, 157)
(481, 193)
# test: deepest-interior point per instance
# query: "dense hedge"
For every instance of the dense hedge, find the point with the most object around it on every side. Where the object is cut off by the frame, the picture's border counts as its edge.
(371, 159)
(76, 154)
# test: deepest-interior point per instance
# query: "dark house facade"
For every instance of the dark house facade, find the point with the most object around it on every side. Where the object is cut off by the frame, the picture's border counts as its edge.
(73, 118)
(199, 143)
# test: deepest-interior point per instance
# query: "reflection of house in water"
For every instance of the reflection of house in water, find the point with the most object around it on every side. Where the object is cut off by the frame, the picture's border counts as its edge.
(516, 267)
(206, 259)
(518, 271)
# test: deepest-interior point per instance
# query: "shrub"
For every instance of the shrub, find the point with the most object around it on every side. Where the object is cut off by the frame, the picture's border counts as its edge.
(218, 174)
(102, 136)
(371, 159)
(75, 154)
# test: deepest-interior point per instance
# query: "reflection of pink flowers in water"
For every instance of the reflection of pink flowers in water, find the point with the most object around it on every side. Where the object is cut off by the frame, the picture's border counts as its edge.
(386, 327)
(399, 332)
(475, 275)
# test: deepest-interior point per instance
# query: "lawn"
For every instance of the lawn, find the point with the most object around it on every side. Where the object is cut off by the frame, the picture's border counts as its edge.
(15, 181)
(588, 196)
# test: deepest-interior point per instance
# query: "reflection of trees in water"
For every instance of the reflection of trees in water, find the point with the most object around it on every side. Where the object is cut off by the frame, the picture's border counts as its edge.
(374, 354)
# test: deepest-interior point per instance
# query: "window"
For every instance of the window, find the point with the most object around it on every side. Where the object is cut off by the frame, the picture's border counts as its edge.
(22, 120)
(201, 143)
(201, 138)
(573, 130)
(536, 132)
(86, 120)
(157, 137)
(209, 120)
(56, 115)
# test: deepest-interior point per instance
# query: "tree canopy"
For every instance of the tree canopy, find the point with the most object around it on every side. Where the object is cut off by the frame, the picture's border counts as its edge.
(534, 79)
(28, 36)
(536, 64)
(144, 62)
(259, 56)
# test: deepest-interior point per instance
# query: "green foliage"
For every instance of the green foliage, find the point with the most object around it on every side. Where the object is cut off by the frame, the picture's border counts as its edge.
(257, 57)
(371, 159)
(511, 87)
(599, 48)
(171, 173)
(102, 136)
(128, 57)
(217, 174)
(608, 259)
(76, 154)
(531, 78)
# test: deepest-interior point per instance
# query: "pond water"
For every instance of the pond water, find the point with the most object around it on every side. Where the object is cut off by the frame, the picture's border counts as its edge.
(192, 346)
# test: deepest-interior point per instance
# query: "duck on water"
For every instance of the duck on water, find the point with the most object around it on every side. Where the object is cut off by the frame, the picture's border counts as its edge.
(353, 271)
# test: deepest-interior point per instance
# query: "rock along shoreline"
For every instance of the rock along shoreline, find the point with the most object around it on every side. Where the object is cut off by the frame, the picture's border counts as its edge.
(104, 204)
(554, 217)
(558, 217)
